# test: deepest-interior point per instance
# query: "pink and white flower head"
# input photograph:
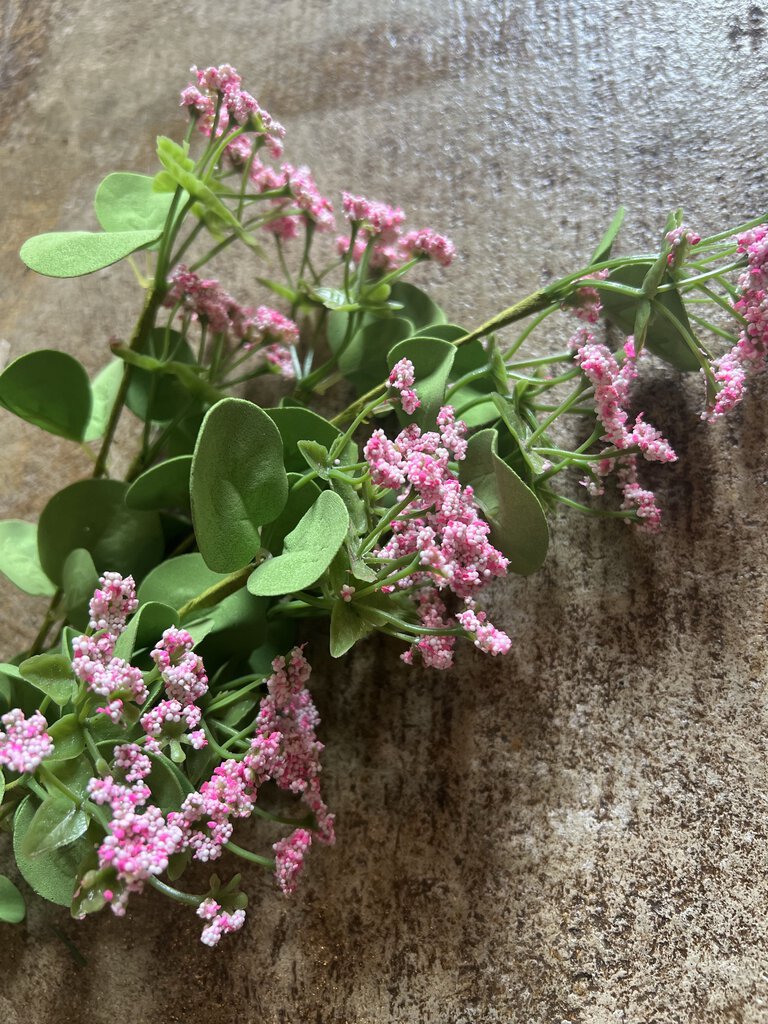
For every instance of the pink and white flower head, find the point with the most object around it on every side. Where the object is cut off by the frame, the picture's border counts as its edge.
(679, 239)
(289, 858)
(376, 219)
(219, 922)
(402, 379)
(426, 242)
(112, 603)
(24, 742)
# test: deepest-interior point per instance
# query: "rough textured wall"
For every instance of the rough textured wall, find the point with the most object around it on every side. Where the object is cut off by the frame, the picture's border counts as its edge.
(577, 834)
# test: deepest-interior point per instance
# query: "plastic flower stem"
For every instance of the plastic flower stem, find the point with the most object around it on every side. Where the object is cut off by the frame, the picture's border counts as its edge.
(525, 334)
(341, 443)
(708, 325)
(241, 735)
(575, 410)
(305, 822)
(685, 284)
(53, 780)
(607, 453)
(254, 858)
(723, 303)
(393, 513)
(386, 581)
(560, 466)
(217, 591)
(481, 371)
(175, 894)
(572, 399)
(697, 347)
(34, 787)
(232, 696)
(587, 511)
(558, 357)
(224, 754)
(283, 264)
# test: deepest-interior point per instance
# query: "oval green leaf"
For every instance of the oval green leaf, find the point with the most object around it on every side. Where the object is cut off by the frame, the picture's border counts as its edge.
(104, 389)
(238, 482)
(56, 822)
(80, 579)
(52, 675)
(418, 307)
(19, 560)
(51, 390)
(178, 580)
(92, 514)
(67, 735)
(161, 397)
(518, 524)
(165, 485)
(12, 908)
(74, 253)
(128, 202)
(53, 874)
(309, 549)
(298, 424)
(364, 361)
(145, 628)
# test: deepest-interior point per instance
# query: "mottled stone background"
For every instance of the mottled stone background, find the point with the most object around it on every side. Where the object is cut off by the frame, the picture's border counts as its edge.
(576, 834)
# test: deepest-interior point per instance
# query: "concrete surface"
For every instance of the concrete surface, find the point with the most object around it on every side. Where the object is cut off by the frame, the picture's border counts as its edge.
(577, 834)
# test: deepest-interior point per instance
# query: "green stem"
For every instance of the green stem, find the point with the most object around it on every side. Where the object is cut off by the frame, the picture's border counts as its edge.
(235, 581)
(187, 898)
(254, 858)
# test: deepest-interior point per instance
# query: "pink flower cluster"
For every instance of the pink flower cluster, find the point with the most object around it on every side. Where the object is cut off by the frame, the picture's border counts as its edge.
(585, 302)
(381, 224)
(185, 681)
(221, 87)
(611, 383)
(24, 742)
(749, 353)
(442, 530)
(285, 749)
(220, 922)
(139, 842)
(402, 379)
(93, 660)
(301, 191)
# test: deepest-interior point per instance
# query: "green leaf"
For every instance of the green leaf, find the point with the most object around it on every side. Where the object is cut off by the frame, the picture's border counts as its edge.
(157, 396)
(12, 908)
(418, 307)
(167, 785)
(180, 167)
(346, 628)
(73, 253)
(10, 677)
(444, 332)
(662, 337)
(309, 549)
(52, 874)
(300, 500)
(165, 485)
(57, 822)
(520, 431)
(364, 361)
(603, 250)
(52, 675)
(517, 520)
(432, 361)
(104, 389)
(238, 482)
(189, 376)
(316, 457)
(80, 579)
(145, 628)
(19, 560)
(92, 514)
(128, 202)
(297, 424)
(49, 389)
(68, 738)
(177, 580)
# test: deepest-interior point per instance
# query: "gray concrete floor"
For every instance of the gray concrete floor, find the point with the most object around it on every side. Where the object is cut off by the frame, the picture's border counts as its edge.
(577, 834)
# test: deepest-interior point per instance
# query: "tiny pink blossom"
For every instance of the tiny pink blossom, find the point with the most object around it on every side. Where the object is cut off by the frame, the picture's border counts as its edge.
(220, 922)
(25, 742)
(426, 242)
(347, 592)
(111, 605)
(402, 378)
(289, 858)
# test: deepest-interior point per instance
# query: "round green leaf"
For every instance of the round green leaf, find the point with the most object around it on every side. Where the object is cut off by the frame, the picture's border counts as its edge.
(145, 628)
(52, 874)
(49, 389)
(52, 675)
(57, 822)
(80, 579)
(309, 549)
(468, 358)
(19, 560)
(167, 784)
(298, 424)
(238, 482)
(445, 332)
(92, 514)
(432, 361)
(518, 524)
(346, 628)
(73, 253)
(165, 485)
(104, 389)
(68, 738)
(300, 500)
(178, 580)
(12, 908)
(418, 307)
(128, 202)
(364, 361)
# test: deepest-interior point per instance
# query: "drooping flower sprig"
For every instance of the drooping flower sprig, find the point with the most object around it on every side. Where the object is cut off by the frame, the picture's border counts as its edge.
(146, 728)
